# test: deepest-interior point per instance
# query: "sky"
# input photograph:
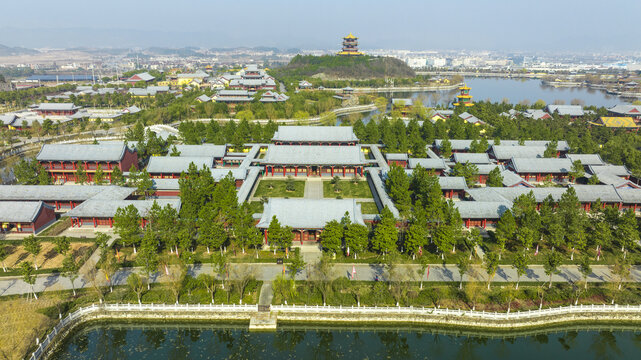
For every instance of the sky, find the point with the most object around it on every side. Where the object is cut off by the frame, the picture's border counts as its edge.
(499, 25)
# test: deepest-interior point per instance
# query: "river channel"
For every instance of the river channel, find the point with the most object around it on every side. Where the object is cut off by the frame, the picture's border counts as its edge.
(199, 341)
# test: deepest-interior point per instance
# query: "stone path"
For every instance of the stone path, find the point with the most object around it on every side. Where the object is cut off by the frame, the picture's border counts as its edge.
(367, 272)
(313, 189)
(266, 294)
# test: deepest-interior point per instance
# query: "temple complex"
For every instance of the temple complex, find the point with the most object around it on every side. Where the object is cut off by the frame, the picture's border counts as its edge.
(464, 98)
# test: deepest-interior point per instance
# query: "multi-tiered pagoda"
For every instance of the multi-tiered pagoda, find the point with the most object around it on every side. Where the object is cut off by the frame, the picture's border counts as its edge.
(350, 46)
(464, 98)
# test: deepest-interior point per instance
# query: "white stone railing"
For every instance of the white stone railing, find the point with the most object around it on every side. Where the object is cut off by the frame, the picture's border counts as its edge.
(347, 310)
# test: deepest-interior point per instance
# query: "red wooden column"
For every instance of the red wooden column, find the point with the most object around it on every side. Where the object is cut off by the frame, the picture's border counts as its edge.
(484, 223)
(308, 169)
(272, 170)
(296, 170)
(467, 223)
(94, 222)
(284, 170)
(343, 171)
(332, 171)
(266, 233)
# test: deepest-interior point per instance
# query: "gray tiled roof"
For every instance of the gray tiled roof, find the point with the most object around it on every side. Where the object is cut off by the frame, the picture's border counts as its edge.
(245, 189)
(377, 181)
(452, 182)
(586, 159)
(541, 165)
(484, 169)
(56, 106)
(629, 196)
(145, 76)
(308, 213)
(609, 179)
(203, 98)
(481, 209)
(590, 193)
(315, 133)
(505, 152)
(617, 170)
(62, 193)
(626, 109)
(472, 158)
(177, 164)
(217, 151)
(509, 194)
(237, 173)
(107, 208)
(313, 155)
(397, 156)
(510, 178)
(82, 152)
(428, 163)
(571, 110)
(166, 184)
(20, 211)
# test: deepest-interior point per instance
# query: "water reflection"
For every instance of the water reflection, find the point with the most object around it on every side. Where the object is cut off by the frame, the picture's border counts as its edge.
(111, 341)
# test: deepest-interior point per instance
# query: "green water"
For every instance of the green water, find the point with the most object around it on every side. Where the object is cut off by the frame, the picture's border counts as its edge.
(115, 341)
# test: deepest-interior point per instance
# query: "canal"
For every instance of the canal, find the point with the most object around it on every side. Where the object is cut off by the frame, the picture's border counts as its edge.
(198, 341)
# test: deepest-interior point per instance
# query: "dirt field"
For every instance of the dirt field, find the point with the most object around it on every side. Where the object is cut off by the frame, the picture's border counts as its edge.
(48, 257)
(21, 324)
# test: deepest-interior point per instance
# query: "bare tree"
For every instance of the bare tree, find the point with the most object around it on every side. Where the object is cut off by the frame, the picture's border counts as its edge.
(243, 274)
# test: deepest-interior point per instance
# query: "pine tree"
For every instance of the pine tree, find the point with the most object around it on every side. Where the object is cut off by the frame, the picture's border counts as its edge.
(356, 238)
(332, 236)
(494, 178)
(116, 176)
(398, 186)
(99, 175)
(81, 174)
(505, 230)
(385, 233)
(127, 225)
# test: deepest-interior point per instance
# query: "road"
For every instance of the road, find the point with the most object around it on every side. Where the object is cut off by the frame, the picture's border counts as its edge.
(369, 272)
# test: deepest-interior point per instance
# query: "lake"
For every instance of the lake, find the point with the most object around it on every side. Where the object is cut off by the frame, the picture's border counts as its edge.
(517, 90)
(199, 341)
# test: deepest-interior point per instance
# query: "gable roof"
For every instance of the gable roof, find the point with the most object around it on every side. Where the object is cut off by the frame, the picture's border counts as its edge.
(308, 213)
(472, 158)
(541, 165)
(144, 76)
(505, 152)
(82, 152)
(626, 109)
(177, 164)
(617, 122)
(108, 208)
(56, 107)
(207, 150)
(510, 179)
(20, 211)
(63, 193)
(313, 155)
(428, 163)
(586, 159)
(315, 133)
(481, 209)
(571, 110)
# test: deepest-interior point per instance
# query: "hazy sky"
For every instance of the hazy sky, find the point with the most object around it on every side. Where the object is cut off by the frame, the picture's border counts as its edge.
(538, 25)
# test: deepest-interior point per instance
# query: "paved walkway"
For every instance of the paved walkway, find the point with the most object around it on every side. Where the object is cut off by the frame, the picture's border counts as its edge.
(266, 294)
(369, 272)
(313, 188)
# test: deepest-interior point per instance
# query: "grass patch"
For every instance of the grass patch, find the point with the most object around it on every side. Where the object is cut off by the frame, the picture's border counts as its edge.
(48, 260)
(276, 188)
(369, 208)
(350, 189)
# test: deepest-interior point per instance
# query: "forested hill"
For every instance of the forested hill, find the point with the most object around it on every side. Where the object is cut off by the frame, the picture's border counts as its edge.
(344, 67)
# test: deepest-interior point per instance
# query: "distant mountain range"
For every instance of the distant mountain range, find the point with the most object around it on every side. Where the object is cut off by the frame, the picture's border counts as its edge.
(12, 51)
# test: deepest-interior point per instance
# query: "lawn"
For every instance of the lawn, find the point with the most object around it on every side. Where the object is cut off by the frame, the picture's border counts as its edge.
(350, 190)
(369, 208)
(276, 188)
(48, 258)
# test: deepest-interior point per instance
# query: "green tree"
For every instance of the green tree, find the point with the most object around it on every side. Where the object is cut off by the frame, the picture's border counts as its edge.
(32, 245)
(463, 266)
(332, 236)
(468, 171)
(70, 269)
(505, 230)
(296, 265)
(209, 282)
(136, 284)
(28, 276)
(99, 176)
(628, 232)
(520, 264)
(109, 266)
(3, 256)
(446, 148)
(398, 186)
(577, 170)
(491, 266)
(550, 149)
(551, 264)
(494, 178)
(220, 261)
(62, 245)
(30, 172)
(356, 238)
(416, 236)
(81, 173)
(385, 233)
(127, 225)
(147, 257)
(585, 269)
(116, 177)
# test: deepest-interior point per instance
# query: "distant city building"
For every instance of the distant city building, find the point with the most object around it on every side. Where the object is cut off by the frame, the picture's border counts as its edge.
(350, 46)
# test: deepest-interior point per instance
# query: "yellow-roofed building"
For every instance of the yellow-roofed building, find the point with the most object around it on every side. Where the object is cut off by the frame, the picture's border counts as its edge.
(619, 122)
(350, 46)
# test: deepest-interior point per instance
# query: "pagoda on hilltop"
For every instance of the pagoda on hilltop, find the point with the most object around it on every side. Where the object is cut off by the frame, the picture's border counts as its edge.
(350, 46)
(464, 98)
